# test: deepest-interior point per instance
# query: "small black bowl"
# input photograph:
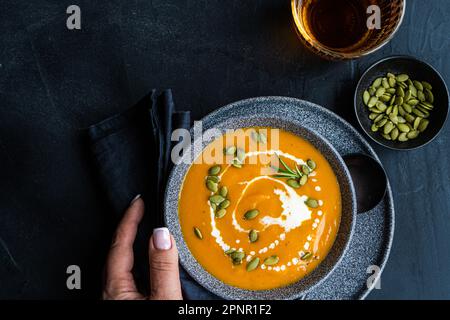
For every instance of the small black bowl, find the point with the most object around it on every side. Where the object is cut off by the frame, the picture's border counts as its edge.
(417, 70)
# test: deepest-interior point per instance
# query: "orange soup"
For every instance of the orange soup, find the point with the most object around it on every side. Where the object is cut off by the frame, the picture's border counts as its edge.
(253, 224)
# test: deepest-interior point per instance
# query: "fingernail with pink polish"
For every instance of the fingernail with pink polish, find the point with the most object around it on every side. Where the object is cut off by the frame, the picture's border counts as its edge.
(161, 239)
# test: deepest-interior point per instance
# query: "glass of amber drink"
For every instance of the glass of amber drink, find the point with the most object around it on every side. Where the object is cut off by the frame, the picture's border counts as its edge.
(346, 29)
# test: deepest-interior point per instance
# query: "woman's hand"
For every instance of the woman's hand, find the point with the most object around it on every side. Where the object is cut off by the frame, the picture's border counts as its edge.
(163, 259)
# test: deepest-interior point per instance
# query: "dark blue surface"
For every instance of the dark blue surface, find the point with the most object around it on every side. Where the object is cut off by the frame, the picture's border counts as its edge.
(55, 82)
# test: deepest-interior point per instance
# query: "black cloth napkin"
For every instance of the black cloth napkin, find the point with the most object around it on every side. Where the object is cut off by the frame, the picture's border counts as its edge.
(132, 151)
(132, 154)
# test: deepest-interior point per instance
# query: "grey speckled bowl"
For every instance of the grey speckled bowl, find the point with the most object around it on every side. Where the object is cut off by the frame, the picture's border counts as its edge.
(255, 113)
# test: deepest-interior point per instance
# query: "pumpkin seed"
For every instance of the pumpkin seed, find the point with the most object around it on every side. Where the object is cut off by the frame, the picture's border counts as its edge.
(312, 203)
(253, 264)
(413, 90)
(270, 261)
(311, 164)
(389, 110)
(385, 83)
(306, 256)
(294, 183)
(236, 163)
(230, 150)
(403, 127)
(212, 186)
(381, 106)
(427, 85)
(374, 128)
(237, 261)
(240, 154)
(395, 110)
(392, 82)
(305, 169)
(239, 255)
(373, 116)
(419, 113)
(375, 110)
(413, 102)
(400, 92)
(416, 123)
(385, 98)
(220, 213)
(214, 171)
(215, 179)
(408, 95)
(198, 233)
(223, 191)
(255, 136)
(412, 134)
(421, 96)
(423, 125)
(393, 118)
(224, 204)
(378, 118)
(229, 251)
(407, 107)
(400, 119)
(388, 127)
(377, 83)
(390, 75)
(399, 100)
(366, 97)
(380, 92)
(394, 134)
(251, 214)
(303, 180)
(402, 137)
(402, 77)
(213, 206)
(372, 102)
(382, 122)
(386, 136)
(418, 85)
(253, 236)
(262, 138)
(217, 199)
(401, 111)
(391, 91)
(409, 118)
(372, 90)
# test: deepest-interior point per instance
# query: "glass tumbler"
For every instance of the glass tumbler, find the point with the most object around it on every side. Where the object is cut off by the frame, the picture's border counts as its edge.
(346, 29)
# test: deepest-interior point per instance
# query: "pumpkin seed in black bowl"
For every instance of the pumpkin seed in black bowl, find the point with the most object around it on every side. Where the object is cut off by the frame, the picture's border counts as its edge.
(401, 102)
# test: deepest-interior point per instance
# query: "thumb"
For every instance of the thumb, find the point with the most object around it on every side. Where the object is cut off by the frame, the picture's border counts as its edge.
(164, 273)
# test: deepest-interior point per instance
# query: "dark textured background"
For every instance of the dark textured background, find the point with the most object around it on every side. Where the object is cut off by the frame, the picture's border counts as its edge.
(55, 82)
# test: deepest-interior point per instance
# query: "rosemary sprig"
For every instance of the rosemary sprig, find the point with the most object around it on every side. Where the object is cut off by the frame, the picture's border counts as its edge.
(287, 172)
(296, 177)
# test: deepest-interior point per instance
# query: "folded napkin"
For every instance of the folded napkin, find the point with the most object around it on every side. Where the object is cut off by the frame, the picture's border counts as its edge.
(132, 154)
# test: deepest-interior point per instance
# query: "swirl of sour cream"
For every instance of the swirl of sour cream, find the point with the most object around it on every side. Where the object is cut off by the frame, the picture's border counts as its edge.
(294, 213)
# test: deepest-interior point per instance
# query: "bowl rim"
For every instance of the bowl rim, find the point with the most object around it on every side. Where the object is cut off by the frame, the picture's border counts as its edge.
(352, 215)
(363, 76)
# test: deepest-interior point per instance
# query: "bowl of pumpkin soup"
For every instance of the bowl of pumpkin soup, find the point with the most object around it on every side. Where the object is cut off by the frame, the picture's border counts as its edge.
(261, 208)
